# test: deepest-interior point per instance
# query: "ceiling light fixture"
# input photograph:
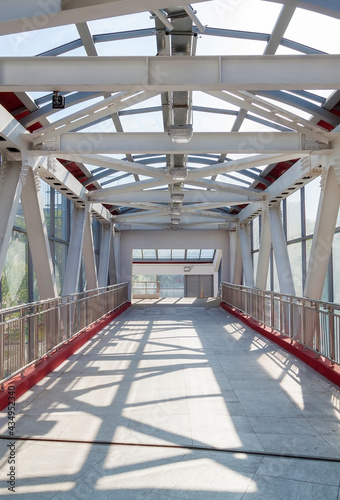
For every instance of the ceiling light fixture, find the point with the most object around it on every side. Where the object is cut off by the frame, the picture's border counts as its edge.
(181, 134)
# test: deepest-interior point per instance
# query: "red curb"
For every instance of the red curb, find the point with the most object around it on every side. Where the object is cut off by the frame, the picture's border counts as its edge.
(319, 364)
(34, 374)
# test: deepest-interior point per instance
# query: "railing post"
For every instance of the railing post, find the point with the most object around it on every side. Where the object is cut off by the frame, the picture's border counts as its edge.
(22, 339)
(331, 338)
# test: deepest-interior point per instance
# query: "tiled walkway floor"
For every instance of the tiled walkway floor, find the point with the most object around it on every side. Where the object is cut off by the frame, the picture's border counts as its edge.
(181, 375)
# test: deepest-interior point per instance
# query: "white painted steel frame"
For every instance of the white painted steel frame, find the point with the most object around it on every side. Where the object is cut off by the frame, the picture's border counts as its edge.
(166, 73)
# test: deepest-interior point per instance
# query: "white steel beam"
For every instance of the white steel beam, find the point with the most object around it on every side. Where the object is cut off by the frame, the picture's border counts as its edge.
(164, 196)
(323, 235)
(100, 195)
(77, 143)
(273, 112)
(104, 258)
(264, 251)
(36, 14)
(112, 265)
(166, 73)
(302, 172)
(228, 188)
(10, 191)
(102, 109)
(122, 165)
(246, 256)
(38, 238)
(88, 254)
(236, 263)
(187, 218)
(58, 177)
(280, 27)
(116, 254)
(282, 262)
(325, 7)
(71, 280)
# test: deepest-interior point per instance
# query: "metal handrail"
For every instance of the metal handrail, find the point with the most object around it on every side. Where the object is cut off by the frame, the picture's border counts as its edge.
(32, 331)
(144, 287)
(313, 323)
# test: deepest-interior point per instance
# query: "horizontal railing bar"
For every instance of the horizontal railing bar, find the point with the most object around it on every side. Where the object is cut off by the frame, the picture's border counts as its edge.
(314, 324)
(34, 330)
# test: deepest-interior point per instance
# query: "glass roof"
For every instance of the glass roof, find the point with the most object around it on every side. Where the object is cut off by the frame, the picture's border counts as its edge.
(199, 254)
(206, 28)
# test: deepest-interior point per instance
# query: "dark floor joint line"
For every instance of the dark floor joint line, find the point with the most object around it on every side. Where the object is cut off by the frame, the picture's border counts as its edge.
(176, 446)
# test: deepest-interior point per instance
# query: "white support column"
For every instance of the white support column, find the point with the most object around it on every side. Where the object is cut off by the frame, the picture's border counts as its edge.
(88, 254)
(284, 271)
(323, 234)
(236, 263)
(10, 191)
(104, 258)
(246, 256)
(264, 251)
(116, 252)
(112, 264)
(38, 237)
(74, 252)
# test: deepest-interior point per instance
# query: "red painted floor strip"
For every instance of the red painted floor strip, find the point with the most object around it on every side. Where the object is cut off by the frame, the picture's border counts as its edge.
(320, 364)
(34, 374)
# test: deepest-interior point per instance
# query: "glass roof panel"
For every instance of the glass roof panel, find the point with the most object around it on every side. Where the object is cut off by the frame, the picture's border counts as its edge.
(316, 30)
(31, 43)
(193, 253)
(207, 253)
(178, 253)
(138, 47)
(122, 23)
(149, 253)
(164, 254)
(245, 15)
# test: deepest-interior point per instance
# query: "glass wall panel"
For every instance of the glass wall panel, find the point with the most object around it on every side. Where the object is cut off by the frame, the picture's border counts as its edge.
(171, 285)
(312, 195)
(60, 216)
(60, 264)
(293, 204)
(45, 192)
(19, 218)
(14, 282)
(295, 257)
(325, 293)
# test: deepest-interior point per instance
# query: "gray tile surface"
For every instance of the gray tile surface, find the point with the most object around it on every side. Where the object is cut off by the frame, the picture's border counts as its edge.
(161, 383)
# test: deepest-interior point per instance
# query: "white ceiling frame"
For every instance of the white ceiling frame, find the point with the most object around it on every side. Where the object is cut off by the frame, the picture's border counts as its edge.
(29, 17)
(166, 73)
(73, 144)
(163, 196)
(121, 165)
(273, 113)
(86, 116)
